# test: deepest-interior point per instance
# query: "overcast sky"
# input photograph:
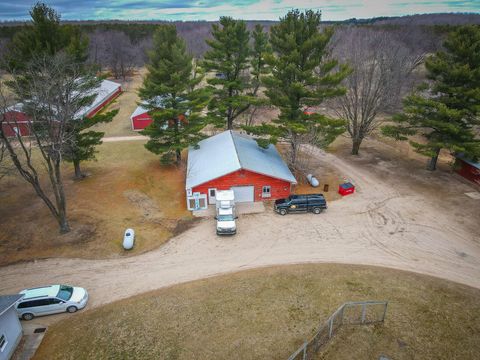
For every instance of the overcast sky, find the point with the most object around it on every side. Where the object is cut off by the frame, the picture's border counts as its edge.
(245, 9)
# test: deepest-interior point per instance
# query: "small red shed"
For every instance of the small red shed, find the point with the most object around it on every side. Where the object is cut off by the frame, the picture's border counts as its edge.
(140, 118)
(15, 121)
(230, 160)
(467, 168)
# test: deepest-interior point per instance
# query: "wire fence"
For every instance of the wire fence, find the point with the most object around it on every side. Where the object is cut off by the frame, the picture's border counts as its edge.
(350, 313)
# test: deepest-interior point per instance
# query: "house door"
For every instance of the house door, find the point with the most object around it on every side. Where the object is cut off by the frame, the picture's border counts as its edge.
(212, 196)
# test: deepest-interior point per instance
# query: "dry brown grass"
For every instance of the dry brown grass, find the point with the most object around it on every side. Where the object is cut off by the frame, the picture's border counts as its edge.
(126, 187)
(267, 313)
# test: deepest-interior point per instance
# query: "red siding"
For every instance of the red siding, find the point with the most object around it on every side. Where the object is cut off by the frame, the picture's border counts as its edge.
(16, 119)
(103, 104)
(279, 188)
(468, 171)
(141, 121)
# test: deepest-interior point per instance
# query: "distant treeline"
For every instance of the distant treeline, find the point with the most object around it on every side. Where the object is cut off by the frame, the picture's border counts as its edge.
(138, 30)
(118, 46)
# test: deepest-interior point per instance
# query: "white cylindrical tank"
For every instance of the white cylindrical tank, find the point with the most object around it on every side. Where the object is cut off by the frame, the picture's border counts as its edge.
(128, 239)
(312, 180)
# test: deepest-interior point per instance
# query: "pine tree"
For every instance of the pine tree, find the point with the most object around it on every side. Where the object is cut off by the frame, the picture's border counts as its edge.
(258, 69)
(174, 102)
(43, 37)
(261, 48)
(82, 146)
(446, 110)
(77, 47)
(229, 59)
(300, 77)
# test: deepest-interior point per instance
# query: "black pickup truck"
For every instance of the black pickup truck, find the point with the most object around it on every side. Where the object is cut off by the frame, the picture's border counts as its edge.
(301, 203)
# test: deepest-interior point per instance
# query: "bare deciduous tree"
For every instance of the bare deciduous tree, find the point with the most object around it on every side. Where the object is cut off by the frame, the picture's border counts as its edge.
(5, 165)
(115, 51)
(121, 54)
(381, 65)
(52, 94)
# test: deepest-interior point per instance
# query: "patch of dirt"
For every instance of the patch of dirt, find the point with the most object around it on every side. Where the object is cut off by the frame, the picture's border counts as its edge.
(80, 233)
(149, 209)
(185, 224)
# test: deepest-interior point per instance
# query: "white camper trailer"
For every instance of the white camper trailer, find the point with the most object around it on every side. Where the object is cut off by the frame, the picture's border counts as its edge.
(225, 212)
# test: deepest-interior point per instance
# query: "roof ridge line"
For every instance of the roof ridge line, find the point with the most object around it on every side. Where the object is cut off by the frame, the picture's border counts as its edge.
(235, 147)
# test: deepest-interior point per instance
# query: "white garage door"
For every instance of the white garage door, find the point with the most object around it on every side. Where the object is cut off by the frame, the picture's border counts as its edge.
(243, 193)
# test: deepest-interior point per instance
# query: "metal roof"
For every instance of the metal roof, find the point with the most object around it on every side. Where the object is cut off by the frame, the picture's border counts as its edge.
(228, 152)
(138, 111)
(7, 301)
(106, 89)
(18, 107)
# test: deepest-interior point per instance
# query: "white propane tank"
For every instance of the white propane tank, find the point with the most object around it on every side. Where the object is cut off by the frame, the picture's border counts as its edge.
(128, 239)
(312, 180)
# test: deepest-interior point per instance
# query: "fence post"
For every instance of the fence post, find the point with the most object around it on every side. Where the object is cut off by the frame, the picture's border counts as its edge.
(364, 310)
(384, 311)
(304, 357)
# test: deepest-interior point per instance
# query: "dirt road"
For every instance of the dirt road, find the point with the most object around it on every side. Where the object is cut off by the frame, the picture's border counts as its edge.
(386, 223)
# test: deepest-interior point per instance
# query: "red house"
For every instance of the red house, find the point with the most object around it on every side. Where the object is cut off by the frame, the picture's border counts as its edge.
(233, 161)
(468, 169)
(17, 122)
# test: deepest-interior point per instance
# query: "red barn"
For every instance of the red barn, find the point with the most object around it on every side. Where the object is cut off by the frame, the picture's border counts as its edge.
(468, 169)
(233, 161)
(17, 122)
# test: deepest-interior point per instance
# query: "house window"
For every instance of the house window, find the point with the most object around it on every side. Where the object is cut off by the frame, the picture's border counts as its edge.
(197, 202)
(266, 191)
(3, 342)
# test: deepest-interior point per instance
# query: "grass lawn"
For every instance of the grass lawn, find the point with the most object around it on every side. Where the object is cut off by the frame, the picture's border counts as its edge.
(126, 187)
(267, 313)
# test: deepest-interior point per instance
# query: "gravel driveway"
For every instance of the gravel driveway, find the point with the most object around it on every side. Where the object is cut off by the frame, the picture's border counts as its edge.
(382, 224)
